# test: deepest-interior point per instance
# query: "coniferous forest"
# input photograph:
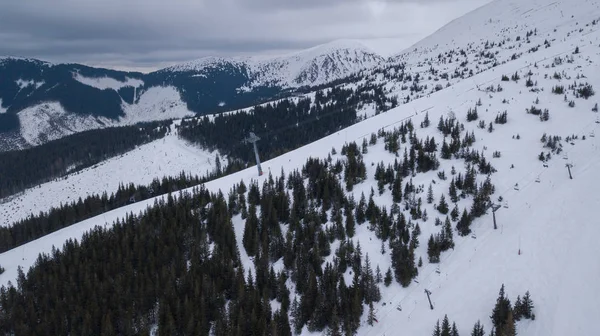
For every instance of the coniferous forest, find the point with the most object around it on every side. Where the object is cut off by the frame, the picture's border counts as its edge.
(38, 225)
(285, 125)
(178, 265)
(29, 167)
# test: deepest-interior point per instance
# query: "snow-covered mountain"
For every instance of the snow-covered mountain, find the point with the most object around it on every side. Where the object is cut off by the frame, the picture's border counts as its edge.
(525, 58)
(40, 101)
(311, 67)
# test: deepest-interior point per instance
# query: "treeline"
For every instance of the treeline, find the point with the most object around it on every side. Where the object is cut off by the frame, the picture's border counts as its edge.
(26, 168)
(174, 267)
(285, 125)
(178, 266)
(36, 226)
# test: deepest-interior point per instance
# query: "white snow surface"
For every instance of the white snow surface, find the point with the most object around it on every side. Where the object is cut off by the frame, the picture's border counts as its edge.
(313, 66)
(49, 121)
(163, 157)
(23, 83)
(156, 103)
(2, 109)
(104, 83)
(552, 222)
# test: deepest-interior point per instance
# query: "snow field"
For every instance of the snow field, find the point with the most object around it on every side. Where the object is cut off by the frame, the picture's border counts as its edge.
(163, 157)
(551, 222)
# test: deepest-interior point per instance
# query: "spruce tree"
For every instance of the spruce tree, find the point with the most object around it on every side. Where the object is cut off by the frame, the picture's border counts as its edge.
(371, 317)
(437, 331)
(443, 206)
(518, 309)
(501, 312)
(430, 194)
(452, 192)
(527, 306)
(350, 223)
(397, 188)
(478, 329)
(387, 281)
(464, 223)
(454, 331)
(446, 329)
(510, 328)
(454, 213)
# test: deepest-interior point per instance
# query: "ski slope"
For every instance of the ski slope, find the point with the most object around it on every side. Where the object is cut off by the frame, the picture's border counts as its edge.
(168, 156)
(545, 241)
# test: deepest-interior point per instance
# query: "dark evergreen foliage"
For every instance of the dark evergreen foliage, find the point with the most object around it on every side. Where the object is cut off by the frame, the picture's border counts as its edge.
(29, 167)
(282, 126)
(36, 226)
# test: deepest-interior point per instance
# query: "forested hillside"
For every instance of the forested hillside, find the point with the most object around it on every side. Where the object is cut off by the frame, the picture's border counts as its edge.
(287, 124)
(29, 167)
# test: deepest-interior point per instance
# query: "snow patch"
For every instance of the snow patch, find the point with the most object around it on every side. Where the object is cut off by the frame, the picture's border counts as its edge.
(26, 83)
(2, 109)
(163, 157)
(106, 82)
(49, 121)
(157, 103)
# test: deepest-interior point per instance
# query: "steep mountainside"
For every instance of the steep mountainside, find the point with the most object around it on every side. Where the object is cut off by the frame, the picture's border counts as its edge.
(40, 101)
(382, 228)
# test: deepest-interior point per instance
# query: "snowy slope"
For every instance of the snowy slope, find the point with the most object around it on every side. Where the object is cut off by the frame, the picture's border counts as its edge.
(106, 82)
(50, 121)
(313, 66)
(164, 157)
(552, 222)
(2, 109)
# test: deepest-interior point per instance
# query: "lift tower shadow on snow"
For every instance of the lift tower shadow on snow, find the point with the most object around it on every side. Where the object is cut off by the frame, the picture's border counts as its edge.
(253, 138)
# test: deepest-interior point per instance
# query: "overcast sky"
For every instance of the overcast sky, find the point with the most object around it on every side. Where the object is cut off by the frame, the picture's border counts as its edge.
(148, 34)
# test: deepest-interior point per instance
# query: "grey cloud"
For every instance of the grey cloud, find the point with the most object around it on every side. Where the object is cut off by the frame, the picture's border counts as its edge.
(143, 32)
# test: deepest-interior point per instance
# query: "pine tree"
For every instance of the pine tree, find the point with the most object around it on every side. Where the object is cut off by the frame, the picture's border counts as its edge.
(454, 331)
(464, 223)
(437, 331)
(518, 309)
(296, 315)
(433, 250)
(527, 306)
(378, 276)
(478, 329)
(454, 213)
(387, 281)
(452, 192)
(430, 194)
(446, 331)
(251, 234)
(443, 206)
(371, 317)
(397, 188)
(500, 313)
(510, 328)
(350, 223)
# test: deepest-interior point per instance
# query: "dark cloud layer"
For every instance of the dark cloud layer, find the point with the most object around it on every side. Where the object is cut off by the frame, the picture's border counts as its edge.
(146, 34)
